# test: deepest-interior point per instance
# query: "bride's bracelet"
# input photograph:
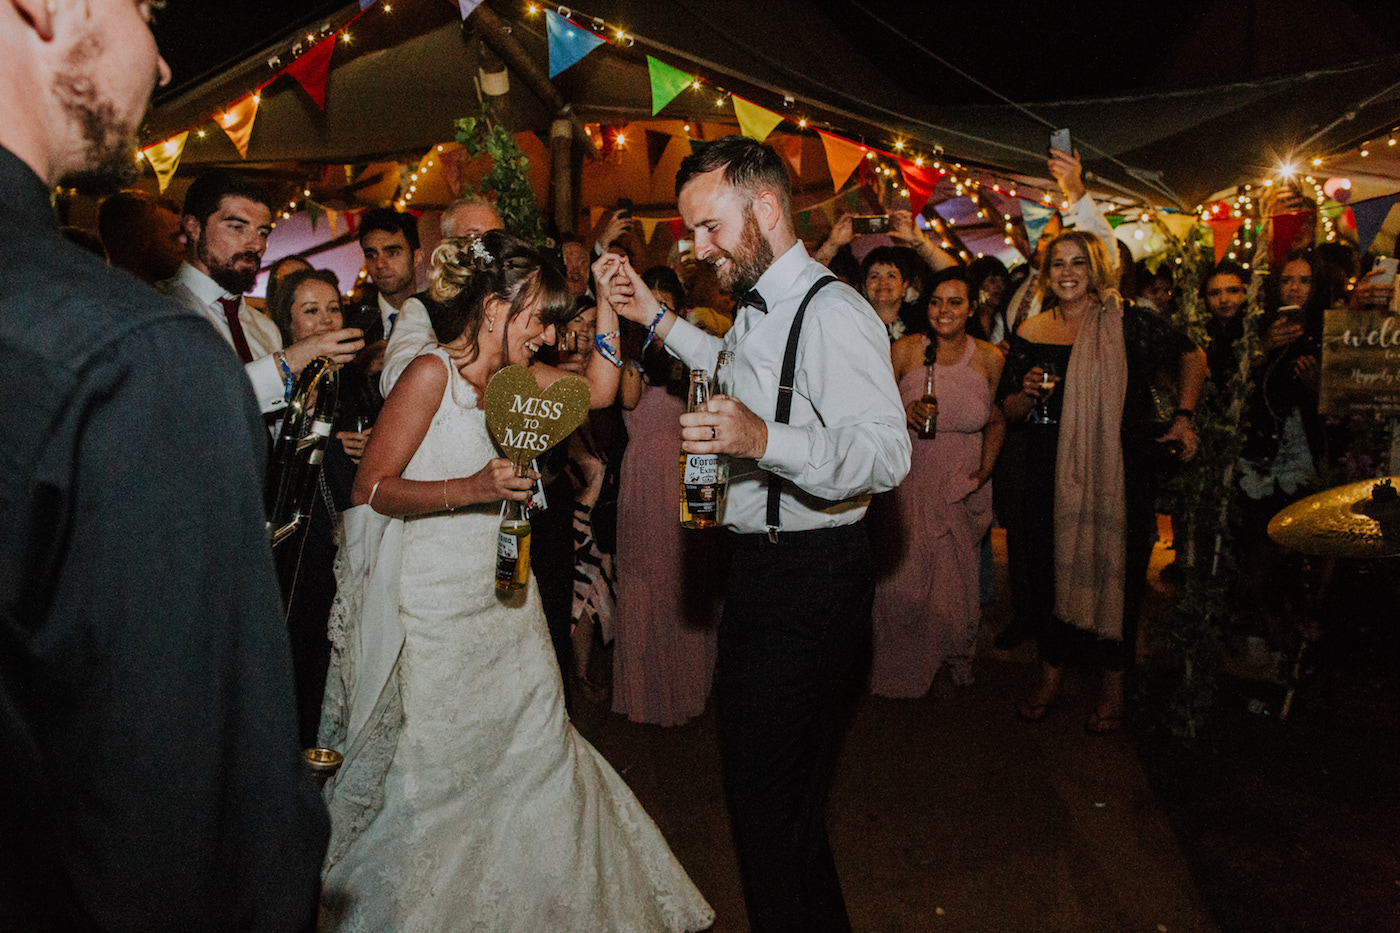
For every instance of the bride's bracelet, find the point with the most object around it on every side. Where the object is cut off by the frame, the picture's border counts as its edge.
(445, 504)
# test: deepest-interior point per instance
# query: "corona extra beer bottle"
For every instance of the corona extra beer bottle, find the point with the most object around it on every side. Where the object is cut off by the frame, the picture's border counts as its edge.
(700, 475)
(513, 544)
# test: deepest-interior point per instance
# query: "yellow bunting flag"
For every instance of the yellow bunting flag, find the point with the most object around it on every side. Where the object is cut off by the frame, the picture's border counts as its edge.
(754, 121)
(842, 157)
(648, 227)
(165, 157)
(1179, 224)
(828, 208)
(334, 218)
(237, 121)
(596, 215)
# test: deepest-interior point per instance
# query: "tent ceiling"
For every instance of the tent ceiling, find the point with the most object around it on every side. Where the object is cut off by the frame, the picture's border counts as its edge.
(401, 96)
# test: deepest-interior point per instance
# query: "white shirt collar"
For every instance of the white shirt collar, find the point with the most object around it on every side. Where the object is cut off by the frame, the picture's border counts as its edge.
(200, 285)
(774, 283)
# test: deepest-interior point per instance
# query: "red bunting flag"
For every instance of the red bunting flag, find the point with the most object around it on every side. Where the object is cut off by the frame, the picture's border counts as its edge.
(313, 67)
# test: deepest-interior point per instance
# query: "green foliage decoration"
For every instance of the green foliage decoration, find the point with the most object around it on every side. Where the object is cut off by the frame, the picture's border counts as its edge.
(509, 176)
(1190, 647)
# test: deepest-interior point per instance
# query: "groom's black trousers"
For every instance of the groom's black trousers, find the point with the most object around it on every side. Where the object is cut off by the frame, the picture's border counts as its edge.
(795, 630)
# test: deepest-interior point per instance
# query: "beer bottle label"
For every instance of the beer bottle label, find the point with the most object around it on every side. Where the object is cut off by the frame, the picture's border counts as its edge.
(507, 556)
(701, 469)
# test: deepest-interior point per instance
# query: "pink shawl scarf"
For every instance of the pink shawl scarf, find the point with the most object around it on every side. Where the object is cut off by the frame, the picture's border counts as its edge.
(1090, 507)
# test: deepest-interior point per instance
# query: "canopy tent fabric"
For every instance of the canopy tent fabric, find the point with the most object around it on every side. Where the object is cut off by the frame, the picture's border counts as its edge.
(400, 98)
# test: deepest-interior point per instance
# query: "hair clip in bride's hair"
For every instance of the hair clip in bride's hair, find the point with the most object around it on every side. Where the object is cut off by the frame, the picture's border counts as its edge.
(481, 256)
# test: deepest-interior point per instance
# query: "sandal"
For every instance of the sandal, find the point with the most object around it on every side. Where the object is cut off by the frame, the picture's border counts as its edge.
(1103, 725)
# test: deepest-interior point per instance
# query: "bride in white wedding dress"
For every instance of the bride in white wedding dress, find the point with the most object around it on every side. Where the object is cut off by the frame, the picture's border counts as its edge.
(467, 801)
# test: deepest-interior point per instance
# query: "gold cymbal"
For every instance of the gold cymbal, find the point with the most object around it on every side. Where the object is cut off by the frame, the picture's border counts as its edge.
(1348, 521)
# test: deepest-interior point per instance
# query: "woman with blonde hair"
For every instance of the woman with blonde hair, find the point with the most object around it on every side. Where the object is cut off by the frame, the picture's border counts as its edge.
(1079, 376)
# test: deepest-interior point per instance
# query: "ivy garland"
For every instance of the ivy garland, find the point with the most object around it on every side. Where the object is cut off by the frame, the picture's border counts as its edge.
(509, 176)
(1191, 643)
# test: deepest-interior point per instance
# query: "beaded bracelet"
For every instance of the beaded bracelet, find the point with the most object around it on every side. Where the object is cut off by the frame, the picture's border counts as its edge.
(605, 349)
(288, 383)
(651, 331)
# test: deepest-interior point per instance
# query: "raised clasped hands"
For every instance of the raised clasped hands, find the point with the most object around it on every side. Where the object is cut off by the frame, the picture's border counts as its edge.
(622, 288)
(724, 426)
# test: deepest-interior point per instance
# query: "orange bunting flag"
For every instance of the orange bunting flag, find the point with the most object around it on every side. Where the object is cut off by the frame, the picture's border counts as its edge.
(334, 218)
(755, 122)
(237, 121)
(790, 148)
(842, 157)
(165, 157)
(1224, 235)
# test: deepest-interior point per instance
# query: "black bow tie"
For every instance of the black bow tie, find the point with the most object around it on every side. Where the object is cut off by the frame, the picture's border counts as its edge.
(752, 299)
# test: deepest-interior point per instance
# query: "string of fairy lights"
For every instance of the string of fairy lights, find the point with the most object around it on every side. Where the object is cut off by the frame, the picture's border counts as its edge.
(884, 162)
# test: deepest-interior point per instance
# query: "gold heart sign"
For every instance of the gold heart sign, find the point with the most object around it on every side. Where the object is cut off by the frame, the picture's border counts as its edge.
(525, 421)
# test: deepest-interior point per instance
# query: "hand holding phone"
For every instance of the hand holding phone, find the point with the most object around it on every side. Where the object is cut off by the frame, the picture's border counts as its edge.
(869, 223)
(1060, 141)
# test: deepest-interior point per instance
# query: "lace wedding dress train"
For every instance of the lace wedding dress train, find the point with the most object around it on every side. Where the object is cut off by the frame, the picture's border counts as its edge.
(467, 800)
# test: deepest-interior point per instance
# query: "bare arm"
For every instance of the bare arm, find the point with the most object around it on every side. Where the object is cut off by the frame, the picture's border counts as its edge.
(1190, 377)
(402, 425)
(995, 432)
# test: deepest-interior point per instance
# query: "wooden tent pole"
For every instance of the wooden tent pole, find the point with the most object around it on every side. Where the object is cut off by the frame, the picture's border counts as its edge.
(496, 33)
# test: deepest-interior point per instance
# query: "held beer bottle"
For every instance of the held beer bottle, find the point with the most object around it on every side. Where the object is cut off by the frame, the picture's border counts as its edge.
(513, 544)
(700, 489)
(930, 397)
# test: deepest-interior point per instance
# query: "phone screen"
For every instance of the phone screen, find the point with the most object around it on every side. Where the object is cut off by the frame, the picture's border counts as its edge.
(1059, 140)
(870, 223)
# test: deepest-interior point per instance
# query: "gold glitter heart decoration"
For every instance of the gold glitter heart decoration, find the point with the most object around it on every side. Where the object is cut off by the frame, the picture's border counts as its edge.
(526, 421)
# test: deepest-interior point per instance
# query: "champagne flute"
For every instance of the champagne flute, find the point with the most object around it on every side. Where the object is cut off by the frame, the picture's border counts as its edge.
(1048, 380)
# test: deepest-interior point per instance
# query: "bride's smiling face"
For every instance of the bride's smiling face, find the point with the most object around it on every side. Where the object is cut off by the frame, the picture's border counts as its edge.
(524, 333)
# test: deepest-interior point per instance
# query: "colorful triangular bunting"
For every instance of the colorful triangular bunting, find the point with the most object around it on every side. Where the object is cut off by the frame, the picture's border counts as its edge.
(1035, 217)
(648, 227)
(1178, 224)
(842, 157)
(656, 148)
(314, 212)
(165, 157)
(313, 67)
(666, 83)
(468, 7)
(1224, 231)
(920, 180)
(790, 148)
(755, 122)
(1370, 217)
(237, 121)
(568, 42)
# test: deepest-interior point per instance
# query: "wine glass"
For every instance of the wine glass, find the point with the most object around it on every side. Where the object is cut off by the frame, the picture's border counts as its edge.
(1048, 380)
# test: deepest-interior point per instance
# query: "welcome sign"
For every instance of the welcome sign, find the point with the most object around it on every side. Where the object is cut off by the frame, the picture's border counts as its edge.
(1360, 362)
(526, 421)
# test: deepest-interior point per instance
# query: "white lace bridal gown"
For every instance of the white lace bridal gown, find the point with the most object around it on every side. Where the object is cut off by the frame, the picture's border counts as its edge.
(493, 814)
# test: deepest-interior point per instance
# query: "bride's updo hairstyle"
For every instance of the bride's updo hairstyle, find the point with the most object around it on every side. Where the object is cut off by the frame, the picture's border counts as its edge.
(467, 272)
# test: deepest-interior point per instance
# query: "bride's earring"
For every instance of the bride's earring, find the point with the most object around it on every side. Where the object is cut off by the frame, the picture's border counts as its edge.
(490, 324)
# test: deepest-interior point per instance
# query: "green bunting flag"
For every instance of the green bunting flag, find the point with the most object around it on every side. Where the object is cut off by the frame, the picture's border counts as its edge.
(666, 83)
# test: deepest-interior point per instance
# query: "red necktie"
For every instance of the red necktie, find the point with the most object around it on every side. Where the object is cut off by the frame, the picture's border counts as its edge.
(235, 327)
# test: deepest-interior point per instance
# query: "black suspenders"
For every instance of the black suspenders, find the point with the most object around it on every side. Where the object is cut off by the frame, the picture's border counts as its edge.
(785, 383)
